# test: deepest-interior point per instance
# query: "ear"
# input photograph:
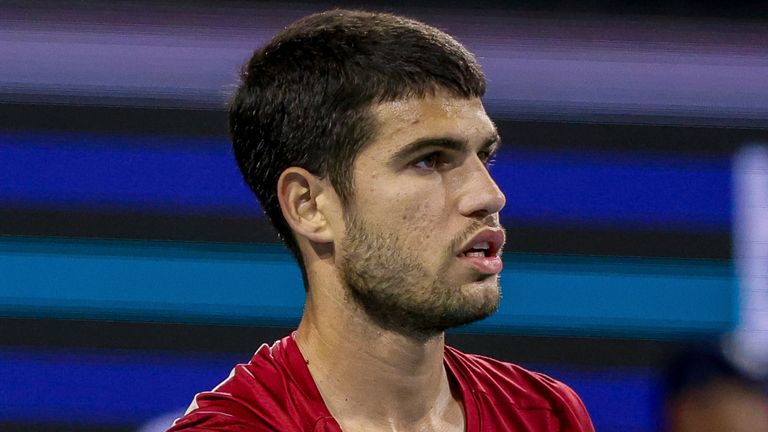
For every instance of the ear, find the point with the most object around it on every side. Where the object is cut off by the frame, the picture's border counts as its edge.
(307, 203)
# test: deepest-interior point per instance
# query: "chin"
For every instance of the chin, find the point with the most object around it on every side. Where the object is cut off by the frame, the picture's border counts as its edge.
(486, 286)
(481, 300)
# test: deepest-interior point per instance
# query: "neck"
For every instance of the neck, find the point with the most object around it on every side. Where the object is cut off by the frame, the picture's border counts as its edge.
(374, 377)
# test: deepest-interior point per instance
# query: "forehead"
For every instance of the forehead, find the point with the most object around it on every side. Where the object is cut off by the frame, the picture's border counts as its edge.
(441, 115)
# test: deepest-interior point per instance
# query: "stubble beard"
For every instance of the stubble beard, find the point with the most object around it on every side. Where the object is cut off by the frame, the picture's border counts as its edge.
(396, 290)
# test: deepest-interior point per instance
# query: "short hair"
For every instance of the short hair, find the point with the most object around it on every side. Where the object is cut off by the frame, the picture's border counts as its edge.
(305, 97)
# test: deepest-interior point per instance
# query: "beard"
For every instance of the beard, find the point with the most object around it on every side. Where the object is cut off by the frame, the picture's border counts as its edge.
(390, 282)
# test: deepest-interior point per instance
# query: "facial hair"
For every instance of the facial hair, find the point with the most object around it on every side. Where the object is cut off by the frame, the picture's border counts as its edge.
(389, 281)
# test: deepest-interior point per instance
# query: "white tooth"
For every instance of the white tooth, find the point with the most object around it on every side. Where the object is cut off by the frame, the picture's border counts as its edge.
(482, 245)
(475, 254)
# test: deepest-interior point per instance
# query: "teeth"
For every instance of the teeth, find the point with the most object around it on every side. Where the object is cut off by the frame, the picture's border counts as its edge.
(480, 249)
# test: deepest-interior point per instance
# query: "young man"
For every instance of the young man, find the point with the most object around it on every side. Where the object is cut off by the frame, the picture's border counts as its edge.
(364, 137)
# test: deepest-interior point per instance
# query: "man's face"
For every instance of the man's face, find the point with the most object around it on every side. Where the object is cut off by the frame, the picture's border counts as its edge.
(422, 244)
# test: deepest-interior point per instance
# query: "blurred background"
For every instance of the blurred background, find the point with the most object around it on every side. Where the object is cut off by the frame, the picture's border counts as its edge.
(136, 268)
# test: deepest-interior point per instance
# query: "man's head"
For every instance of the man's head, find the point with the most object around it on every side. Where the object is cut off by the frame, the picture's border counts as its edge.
(364, 138)
(305, 98)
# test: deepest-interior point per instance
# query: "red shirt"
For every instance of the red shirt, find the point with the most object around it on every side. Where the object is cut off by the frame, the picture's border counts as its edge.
(275, 392)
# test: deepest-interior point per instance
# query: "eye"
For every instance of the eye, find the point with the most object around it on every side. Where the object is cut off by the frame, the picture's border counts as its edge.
(487, 157)
(432, 161)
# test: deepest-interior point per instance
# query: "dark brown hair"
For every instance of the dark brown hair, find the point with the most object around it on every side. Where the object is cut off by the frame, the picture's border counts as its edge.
(305, 97)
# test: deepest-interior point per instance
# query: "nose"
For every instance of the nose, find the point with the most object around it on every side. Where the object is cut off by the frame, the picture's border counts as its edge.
(480, 195)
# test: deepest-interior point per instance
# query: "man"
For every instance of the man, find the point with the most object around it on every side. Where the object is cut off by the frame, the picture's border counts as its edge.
(364, 137)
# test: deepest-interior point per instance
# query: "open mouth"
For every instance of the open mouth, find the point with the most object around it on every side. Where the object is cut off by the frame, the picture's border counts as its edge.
(485, 244)
(480, 250)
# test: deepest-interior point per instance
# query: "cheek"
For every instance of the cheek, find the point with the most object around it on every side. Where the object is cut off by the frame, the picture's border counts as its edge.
(424, 220)
(415, 209)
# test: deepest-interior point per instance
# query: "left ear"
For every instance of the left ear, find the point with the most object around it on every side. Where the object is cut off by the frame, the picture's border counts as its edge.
(308, 204)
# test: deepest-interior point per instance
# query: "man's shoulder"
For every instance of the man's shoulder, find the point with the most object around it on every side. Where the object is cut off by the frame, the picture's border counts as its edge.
(491, 375)
(501, 383)
(263, 394)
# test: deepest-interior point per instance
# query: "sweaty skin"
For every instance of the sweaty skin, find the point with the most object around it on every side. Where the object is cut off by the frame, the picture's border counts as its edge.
(372, 372)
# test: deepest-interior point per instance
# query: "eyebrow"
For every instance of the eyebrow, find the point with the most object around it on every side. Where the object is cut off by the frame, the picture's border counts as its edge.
(491, 143)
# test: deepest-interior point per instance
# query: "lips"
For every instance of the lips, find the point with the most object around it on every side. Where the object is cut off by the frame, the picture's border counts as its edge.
(489, 241)
(482, 251)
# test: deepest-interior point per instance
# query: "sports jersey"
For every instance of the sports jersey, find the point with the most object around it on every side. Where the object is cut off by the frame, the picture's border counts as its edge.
(275, 392)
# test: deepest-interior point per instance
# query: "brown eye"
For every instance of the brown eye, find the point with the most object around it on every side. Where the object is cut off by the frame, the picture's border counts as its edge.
(431, 161)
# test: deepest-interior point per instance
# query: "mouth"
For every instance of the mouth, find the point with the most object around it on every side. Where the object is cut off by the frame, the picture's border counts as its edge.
(486, 243)
(483, 251)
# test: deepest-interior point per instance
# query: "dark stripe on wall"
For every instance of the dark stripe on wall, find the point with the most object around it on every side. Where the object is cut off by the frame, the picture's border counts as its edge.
(537, 134)
(35, 426)
(521, 237)
(137, 335)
